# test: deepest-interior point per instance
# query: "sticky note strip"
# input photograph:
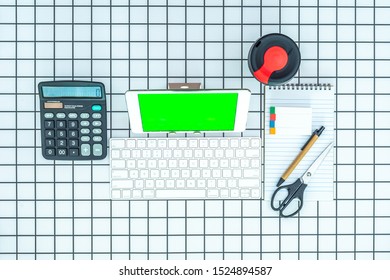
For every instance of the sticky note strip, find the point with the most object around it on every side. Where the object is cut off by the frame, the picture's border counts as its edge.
(291, 121)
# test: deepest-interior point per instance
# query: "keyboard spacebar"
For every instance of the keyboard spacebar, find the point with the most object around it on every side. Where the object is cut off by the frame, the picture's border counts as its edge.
(180, 193)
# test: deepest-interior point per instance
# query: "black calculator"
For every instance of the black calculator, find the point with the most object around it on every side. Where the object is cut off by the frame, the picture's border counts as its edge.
(73, 120)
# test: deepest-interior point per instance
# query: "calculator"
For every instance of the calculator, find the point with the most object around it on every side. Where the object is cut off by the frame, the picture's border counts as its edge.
(73, 120)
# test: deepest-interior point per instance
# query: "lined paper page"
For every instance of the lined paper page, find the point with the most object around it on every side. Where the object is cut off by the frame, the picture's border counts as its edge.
(281, 150)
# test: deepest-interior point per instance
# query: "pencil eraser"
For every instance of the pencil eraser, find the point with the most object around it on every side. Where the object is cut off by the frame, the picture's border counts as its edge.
(272, 130)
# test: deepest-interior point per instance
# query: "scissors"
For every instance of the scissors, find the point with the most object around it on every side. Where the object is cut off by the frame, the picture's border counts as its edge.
(294, 192)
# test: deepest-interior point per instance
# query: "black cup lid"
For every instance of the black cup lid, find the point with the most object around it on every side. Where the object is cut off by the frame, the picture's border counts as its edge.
(274, 59)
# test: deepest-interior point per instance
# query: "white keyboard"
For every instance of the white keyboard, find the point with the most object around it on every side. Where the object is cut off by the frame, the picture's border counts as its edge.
(185, 168)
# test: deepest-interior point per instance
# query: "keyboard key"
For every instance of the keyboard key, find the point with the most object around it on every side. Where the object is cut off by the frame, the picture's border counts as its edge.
(255, 163)
(160, 184)
(255, 143)
(234, 193)
(72, 116)
(172, 143)
(60, 116)
(115, 153)
(144, 173)
(141, 163)
(126, 194)
(137, 193)
(84, 115)
(162, 143)
(245, 163)
(195, 173)
(219, 153)
(162, 163)
(249, 183)
(123, 184)
(115, 194)
(221, 184)
(182, 143)
(198, 153)
(130, 143)
(97, 138)
(152, 163)
(193, 143)
(211, 183)
(224, 143)
(139, 184)
(232, 183)
(141, 143)
(85, 131)
(149, 184)
(119, 174)
(170, 183)
(245, 193)
(208, 153)
(152, 143)
(252, 173)
(244, 143)
(148, 193)
(252, 153)
(133, 174)
(213, 143)
(203, 143)
(49, 115)
(117, 143)
(118, 164)
(212, 193)
(96, 131)
(177, 193)
(165, 173)
(96, 123)
(255, 193)
(191, 183)
(131, 163)
(227, 173)
(224, 193)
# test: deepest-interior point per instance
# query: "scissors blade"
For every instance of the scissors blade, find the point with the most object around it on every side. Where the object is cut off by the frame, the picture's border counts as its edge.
(306, 177)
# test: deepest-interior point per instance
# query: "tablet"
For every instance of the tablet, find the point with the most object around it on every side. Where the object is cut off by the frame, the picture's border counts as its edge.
(171, 111)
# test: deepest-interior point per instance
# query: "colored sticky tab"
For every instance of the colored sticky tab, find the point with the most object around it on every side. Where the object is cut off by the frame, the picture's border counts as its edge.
(272, 130)
(272, 110)
(272, 117)
(272, 124)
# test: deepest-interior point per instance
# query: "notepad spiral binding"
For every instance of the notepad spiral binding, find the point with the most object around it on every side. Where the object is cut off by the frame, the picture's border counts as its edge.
(302, 87)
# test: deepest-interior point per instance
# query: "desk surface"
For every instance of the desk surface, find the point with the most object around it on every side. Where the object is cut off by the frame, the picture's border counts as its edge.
(51, 210)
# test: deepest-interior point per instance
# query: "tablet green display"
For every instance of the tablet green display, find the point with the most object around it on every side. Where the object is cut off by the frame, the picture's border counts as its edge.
(188, 111)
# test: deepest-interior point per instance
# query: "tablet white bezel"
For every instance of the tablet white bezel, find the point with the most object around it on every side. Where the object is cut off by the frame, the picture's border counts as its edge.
(135, 115)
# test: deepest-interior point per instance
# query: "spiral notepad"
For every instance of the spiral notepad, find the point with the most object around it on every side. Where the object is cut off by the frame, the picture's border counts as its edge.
(281, 149)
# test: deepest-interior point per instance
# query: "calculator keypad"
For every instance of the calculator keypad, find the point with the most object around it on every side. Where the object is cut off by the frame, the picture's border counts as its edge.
(73, 134)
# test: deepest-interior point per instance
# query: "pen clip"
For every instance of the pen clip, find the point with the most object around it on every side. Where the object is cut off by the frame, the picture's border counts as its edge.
(308, 140)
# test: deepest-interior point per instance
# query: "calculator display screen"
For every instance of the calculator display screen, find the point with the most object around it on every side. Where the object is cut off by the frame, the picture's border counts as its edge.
(73, 92)
(188, 112)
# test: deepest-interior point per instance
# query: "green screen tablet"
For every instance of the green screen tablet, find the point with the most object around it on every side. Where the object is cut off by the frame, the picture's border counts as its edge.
(190, 111)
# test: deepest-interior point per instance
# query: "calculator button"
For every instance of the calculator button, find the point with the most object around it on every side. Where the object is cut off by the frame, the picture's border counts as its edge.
(85, 131)
(49, 124)
(85, 138)
(96, 123)
(74, 152)
(96, 131)
(61, 152)
(84, 123)
(72, 116)
(73, 143)
(97, 149)
(49, 142)
(97, 138)
(49, 133)
(60, 115)
(61, 133)
(50, 152)
(84, 115)
(96, 107)
(85, 150)
(96, 116)
(73, 133)
(61, 143)
(73, 124)
(61, 124)
(49, 115)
